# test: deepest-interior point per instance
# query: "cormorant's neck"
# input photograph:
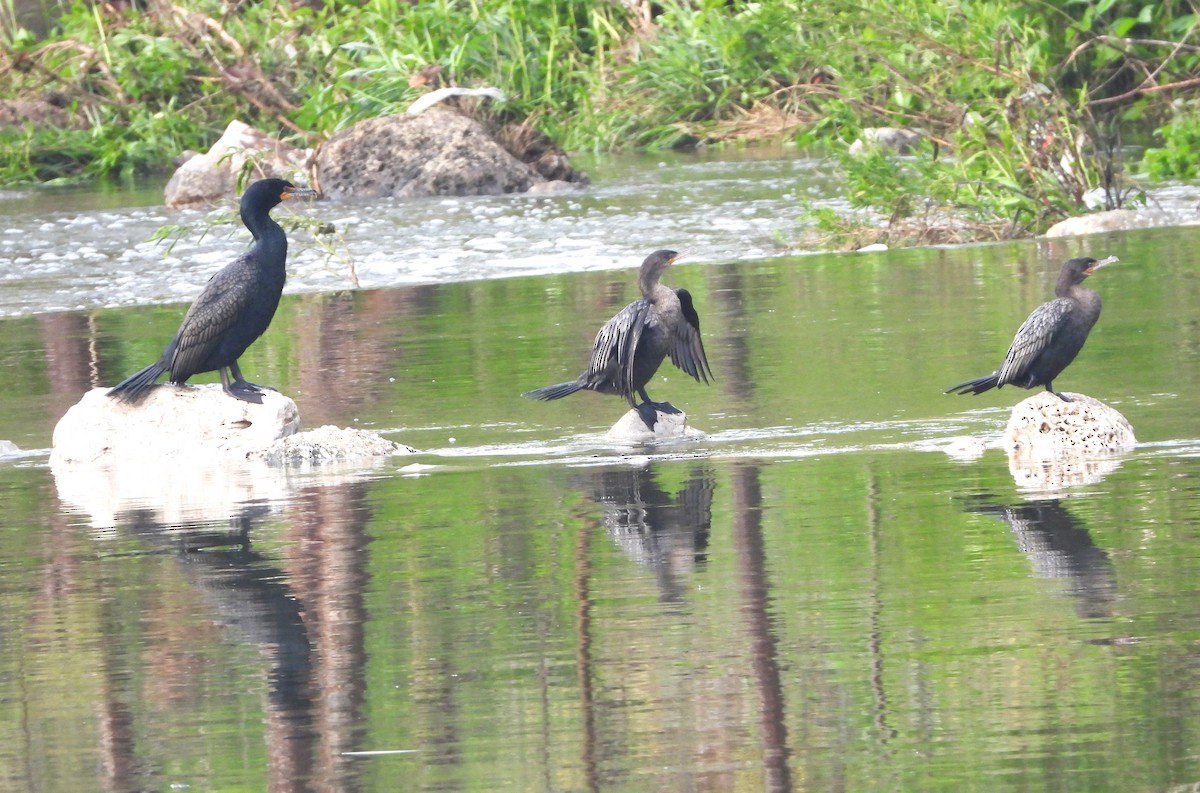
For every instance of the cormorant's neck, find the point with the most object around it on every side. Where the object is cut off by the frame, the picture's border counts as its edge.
(1068, 288)
(262, 226)
(648, 281)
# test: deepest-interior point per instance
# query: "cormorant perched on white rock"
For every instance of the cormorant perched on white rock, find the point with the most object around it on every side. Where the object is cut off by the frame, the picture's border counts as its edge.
(1050, 339)
(630, 347)
(234, 308)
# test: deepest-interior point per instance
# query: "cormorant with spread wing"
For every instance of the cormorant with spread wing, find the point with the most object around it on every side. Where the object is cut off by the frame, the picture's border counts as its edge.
(630, 347)
(1050, 339)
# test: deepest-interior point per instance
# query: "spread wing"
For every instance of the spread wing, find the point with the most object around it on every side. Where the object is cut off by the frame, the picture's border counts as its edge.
(615, 345)
(685, 347)
(212, 314)
(1032, 337)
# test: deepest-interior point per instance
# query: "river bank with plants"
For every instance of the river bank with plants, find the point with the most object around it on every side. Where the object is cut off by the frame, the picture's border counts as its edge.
(1025, 108)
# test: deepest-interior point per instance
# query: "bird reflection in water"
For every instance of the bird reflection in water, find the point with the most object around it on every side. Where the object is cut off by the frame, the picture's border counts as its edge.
(663, 531)
(302, 611)
(247, 594)
(1060, 547)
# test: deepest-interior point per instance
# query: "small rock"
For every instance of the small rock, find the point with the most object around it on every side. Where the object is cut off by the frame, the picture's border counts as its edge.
(1054, 444)
(555, 186)
(669, 426)
(328, 444)
(964, 448)
(899, 140)
(207, 178)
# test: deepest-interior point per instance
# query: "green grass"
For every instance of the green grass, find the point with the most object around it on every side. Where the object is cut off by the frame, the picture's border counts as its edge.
(151, 83)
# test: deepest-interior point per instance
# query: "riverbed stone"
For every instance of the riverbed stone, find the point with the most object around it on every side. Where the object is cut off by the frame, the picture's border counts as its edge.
(209, 177)
(437, 152)
(328, 444)
(190, 454)
(1053, 444)
(1045, 426)
(171, 421)
(1118, 220)
(668, 426)
(896, 139)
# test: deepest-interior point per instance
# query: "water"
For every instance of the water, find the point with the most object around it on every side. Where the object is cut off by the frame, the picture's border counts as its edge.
(815, 596)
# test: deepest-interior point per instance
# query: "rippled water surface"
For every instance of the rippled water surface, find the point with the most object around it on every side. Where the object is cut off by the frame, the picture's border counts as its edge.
(832, 590)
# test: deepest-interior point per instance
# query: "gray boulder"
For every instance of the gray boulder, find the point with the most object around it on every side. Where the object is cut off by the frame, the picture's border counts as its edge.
(209, 177)
(437, 152)
(328, 444)
(669, 426)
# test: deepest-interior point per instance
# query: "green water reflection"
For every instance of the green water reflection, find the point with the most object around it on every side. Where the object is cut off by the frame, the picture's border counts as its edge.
(807, 599)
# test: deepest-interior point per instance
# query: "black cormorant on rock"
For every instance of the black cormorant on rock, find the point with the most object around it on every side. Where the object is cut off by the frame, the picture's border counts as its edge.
(630, 347)
(233, 309)
(1049, 340)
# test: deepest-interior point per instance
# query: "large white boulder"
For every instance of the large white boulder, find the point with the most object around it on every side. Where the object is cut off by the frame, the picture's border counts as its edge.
(171, 421)
(188, 454)
(1117, 220)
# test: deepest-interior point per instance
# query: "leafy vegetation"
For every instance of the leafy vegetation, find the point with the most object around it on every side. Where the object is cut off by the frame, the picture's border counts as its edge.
(1179, 156)
(1020, 103)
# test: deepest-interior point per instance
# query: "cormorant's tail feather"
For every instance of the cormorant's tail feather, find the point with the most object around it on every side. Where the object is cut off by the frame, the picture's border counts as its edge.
(557, 391)
(976, 386)
(132, 388)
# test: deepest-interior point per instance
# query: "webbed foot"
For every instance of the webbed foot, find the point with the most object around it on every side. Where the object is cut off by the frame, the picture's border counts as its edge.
(649, 414)
(247, 392)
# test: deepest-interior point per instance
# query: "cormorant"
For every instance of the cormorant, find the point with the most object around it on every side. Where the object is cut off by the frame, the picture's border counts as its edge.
(1049, 340)
(630, 347)
(233, 309)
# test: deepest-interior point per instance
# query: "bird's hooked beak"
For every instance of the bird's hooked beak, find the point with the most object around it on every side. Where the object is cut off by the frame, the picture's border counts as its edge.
(1101, 263)
(297, 192)
(676, 258)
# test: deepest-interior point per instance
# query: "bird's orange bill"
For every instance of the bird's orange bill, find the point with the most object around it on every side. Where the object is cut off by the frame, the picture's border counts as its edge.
(677, 257)
(1101, 263)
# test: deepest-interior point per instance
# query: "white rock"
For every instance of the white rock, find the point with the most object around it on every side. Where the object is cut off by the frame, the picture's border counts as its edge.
(189, 454)
(171, 421)
(1053, 444)
(896, 139)
(1044, 426)
(1116, 220)
(206, 178)
(668, 426)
